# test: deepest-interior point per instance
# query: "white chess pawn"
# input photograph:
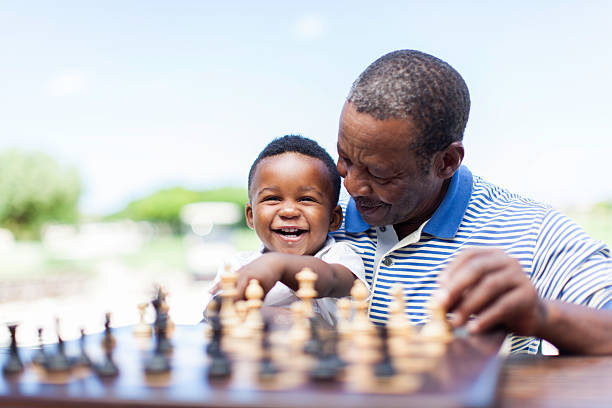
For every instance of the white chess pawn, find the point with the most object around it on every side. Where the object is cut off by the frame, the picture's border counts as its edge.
(306, 291)
(142, 329)
(227, 314)
(254, 294)
(398, 324)
(437, 329)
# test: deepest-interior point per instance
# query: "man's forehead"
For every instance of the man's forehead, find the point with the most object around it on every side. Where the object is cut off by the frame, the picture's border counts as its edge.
(363, 130)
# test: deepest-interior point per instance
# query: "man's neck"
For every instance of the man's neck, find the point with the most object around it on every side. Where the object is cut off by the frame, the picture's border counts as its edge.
(403, 229)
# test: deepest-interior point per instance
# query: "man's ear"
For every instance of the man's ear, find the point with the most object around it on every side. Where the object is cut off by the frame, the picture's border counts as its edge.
(336, 219)
(248, 212)
(447, 161)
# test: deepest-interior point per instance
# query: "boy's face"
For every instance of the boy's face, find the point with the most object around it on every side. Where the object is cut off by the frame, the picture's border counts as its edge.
(291, 206)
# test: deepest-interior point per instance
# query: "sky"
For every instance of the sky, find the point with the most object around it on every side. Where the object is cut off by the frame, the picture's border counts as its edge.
(144, 95)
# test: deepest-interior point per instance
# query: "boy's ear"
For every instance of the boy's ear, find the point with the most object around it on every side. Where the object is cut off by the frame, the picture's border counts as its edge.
(248, 212)
(336, 219)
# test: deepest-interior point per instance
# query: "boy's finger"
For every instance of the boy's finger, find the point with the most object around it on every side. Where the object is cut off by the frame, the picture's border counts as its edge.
(214, 289)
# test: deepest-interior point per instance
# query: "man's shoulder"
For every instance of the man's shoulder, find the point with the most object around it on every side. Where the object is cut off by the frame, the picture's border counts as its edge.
(489, 196)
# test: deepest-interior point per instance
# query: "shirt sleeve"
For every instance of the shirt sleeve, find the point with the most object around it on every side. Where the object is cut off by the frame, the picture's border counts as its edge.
(341, 253)
(570, 266)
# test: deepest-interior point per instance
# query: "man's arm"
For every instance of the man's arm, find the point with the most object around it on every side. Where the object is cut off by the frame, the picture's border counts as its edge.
(333, 280)
(492, 286)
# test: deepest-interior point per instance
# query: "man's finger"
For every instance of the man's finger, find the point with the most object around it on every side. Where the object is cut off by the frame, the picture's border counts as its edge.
(498, 312)
(469, 272)
(492, 286)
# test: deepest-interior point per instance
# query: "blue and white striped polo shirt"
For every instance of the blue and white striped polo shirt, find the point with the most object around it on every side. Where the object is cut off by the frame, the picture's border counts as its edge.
(562, 261)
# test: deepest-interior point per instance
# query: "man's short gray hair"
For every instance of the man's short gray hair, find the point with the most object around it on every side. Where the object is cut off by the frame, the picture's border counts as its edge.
(412, 85)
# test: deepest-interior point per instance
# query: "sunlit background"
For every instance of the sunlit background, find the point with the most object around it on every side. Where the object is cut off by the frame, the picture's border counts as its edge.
(127, 128)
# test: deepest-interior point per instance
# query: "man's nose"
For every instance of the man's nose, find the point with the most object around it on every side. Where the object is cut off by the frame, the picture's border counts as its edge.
(355, 183)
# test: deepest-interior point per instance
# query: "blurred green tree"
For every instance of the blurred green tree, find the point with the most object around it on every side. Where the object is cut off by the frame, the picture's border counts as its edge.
(165, 205)
(35, 189)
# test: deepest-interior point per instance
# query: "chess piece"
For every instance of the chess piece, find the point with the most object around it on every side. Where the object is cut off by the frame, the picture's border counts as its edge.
(361, 326)
(343, 326)
(219, 366)
(437, 329)
(83, 359)
(211, 310)
(328, 362)
(398, 324)
(314, 345)
(229, 319)
(254, 294)
(169, 322)
(267, 368)
(40, 356)
(161, 324)
(306, 292)
(159, 362)
(384, 368)
(58, 362)
(214, 345)
(13, 364)
(299, 331)
(107, 368)
(142, 329)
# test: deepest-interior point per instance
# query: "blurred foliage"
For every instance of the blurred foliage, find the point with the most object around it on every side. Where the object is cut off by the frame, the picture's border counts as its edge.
(165, 205)
(35, 189)
(604, 206)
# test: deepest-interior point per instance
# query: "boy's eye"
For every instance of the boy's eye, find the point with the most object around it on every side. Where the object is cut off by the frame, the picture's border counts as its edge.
(308, 198)
(271, 198)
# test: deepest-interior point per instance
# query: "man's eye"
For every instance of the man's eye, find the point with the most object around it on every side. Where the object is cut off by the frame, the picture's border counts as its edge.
(381, 180)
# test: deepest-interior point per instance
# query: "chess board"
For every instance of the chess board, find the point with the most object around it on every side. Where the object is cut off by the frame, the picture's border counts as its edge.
(465, 376)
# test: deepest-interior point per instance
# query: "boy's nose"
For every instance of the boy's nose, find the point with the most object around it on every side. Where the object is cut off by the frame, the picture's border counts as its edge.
(289, 211)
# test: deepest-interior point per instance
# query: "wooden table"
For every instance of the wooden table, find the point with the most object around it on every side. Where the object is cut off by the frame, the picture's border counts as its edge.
(535, 381)
(524, 382)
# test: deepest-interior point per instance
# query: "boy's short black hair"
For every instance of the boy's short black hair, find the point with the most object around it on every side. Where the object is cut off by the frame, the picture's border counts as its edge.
(302, 145)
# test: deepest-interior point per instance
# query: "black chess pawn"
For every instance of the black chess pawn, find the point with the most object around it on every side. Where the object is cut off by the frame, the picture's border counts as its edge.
(83, 359)
(384, 368)
(13, 364)
(58, 362)
(40, 356)
(267, 368)
(328, 363)
(219, 366)
(314, 344)
(107, 368)
(161, 324)
(159, 362)
(214, 345)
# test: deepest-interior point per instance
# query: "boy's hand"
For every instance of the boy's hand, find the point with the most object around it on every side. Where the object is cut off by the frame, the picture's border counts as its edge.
(267, 269)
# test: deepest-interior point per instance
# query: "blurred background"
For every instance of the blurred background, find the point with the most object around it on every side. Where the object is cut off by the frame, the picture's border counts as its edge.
(127, 129)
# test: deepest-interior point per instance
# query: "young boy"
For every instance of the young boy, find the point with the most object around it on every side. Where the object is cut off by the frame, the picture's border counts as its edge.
(293, 194)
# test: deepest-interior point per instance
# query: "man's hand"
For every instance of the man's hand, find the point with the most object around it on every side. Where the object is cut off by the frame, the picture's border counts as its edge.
(490, 285)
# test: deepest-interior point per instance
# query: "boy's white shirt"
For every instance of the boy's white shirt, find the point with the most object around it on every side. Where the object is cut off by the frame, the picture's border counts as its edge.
(282, 296)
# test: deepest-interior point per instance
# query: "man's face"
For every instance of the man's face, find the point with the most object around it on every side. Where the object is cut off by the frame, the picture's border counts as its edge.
(381, 171)
(291, 206)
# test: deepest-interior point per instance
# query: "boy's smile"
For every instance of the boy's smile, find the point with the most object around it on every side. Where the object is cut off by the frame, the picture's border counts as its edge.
(290, 204)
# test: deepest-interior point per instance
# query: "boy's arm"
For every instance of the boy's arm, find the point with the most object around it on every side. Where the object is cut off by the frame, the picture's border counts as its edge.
(333, 280)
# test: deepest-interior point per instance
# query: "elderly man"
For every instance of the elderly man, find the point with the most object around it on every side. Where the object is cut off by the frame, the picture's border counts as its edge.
(420, 218)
